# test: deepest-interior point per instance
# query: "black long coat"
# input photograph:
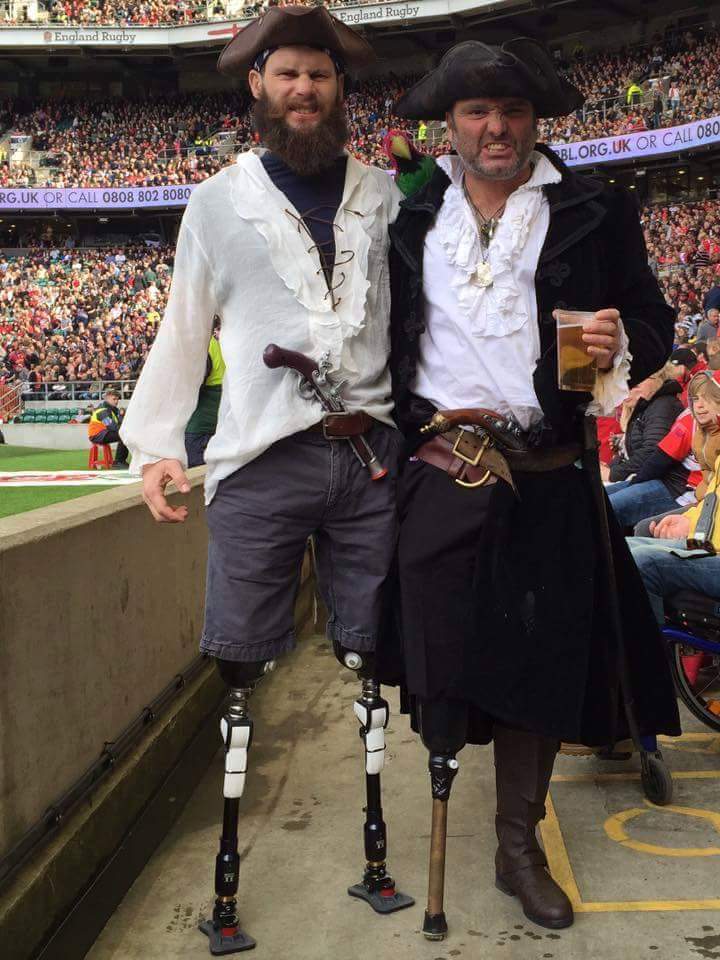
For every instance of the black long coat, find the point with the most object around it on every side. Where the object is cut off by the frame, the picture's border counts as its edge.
(551, 665)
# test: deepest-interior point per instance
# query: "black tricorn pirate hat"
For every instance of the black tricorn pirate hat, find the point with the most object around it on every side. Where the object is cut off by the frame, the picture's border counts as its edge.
(284, 26)
(519, 68)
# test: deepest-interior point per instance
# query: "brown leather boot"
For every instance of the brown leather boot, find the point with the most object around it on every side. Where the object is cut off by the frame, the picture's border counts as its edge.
(523, 766)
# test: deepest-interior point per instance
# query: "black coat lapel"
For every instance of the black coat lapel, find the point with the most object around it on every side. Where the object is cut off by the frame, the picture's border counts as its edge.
(574, 209)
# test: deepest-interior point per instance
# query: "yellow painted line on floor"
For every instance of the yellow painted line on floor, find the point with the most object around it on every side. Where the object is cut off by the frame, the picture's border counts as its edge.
(556, 853)
(562, 872)
(693, 743)
(609, 777)
(615, 829)
(645, 906)
(687, 737)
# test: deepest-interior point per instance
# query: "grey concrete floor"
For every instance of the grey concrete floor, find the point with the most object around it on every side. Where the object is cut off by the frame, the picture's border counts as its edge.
(301, 837)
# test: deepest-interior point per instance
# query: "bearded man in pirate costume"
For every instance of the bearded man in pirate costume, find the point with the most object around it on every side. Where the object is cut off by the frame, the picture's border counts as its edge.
(519, 606)
(288, 244)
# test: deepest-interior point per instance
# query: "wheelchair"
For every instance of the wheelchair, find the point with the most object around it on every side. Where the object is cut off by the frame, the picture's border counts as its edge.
(692, 630)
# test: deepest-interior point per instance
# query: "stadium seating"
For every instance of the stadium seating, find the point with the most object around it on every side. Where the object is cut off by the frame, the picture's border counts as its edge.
(683, 244)
(147, 14)
(177, 139)
(51, 299)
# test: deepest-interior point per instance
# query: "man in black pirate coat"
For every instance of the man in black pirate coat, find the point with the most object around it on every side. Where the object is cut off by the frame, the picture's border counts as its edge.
(519, 610)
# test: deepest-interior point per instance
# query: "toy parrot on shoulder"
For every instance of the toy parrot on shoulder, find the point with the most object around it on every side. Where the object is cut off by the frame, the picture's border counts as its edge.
(412, 168)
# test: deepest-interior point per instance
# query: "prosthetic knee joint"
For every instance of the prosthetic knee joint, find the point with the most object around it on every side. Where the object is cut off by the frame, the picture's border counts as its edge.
(377, 887)
(443, 728)
(236, 728)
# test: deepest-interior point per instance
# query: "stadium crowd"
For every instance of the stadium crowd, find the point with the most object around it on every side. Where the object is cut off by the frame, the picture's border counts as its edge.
(91, 314)
(121, 142)
(179, 138)
(80, 315)
(145, 13)
(173, 140)
(168, 140)
(141, 13)
(671, 81)
(683, 242)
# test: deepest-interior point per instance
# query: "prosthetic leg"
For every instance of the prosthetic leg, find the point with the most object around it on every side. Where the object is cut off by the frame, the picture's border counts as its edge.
(443, 728)
(377, 887)
(236, 727)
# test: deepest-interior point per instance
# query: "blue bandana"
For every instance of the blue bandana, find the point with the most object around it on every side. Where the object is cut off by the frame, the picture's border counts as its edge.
(262, 58)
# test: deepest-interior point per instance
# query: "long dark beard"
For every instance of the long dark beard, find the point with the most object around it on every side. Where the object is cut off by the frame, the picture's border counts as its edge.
(305, 152)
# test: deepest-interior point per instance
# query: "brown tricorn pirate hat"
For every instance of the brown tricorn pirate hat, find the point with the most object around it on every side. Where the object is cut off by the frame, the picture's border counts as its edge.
(292, 25)
(519, 68)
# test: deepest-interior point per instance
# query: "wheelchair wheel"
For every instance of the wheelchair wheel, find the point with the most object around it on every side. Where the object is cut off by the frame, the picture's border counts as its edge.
(656, 780)
(697, 680)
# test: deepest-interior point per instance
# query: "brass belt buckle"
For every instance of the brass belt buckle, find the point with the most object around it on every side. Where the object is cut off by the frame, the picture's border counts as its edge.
(472, 462)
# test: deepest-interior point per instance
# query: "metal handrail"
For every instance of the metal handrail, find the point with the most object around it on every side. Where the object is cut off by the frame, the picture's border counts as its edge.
(54, 390)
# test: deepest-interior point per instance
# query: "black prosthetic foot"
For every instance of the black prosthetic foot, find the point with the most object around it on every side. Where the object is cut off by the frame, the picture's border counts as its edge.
(225, 940)
(384, 900)
(434, 926)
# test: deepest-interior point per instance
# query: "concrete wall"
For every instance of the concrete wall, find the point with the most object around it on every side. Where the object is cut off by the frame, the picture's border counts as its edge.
(54, 436)
(100, 608)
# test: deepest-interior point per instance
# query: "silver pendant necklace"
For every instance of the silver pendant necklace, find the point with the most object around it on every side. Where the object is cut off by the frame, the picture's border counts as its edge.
(486, 228)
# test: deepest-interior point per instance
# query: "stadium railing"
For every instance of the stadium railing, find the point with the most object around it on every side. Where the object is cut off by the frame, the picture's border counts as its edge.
(76, 390)
(11, 401)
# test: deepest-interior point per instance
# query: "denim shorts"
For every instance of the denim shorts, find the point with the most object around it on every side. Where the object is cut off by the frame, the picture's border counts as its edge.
(259, 522)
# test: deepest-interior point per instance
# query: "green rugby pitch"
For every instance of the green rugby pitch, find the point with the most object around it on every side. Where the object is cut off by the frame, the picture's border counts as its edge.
(20, 499)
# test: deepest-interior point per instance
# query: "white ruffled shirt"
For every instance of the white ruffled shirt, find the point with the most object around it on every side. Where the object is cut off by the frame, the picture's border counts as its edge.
(482, 343)
(241, 257)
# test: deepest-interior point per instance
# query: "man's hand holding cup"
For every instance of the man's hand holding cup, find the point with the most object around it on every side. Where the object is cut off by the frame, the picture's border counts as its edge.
(602, 337)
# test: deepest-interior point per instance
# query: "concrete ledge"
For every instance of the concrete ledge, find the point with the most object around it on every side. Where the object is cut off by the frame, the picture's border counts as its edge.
(46, 890)
(101, 608)
(48, 436)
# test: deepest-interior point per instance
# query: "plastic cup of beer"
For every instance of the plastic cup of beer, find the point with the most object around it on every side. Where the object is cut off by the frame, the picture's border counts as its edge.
(576, 369)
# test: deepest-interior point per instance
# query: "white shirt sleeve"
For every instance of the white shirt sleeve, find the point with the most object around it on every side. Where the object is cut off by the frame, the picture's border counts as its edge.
(611, 386)
(167, 391)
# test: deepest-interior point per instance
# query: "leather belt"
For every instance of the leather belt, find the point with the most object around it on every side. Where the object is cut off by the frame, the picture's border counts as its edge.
(468, 473)
(340, 426)
(541, 459)
(472, 460)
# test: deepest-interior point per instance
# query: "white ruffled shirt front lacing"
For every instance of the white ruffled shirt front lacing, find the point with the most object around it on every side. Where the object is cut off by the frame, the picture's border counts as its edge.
(240, 256)
(482, 343)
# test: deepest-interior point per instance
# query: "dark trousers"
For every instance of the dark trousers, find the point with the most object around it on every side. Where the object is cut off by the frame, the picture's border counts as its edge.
(259, 522)
(112, 436)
